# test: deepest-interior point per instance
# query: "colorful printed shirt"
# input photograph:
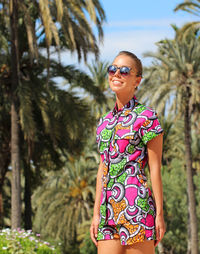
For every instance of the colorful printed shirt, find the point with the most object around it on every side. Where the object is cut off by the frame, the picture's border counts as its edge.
(122, 137)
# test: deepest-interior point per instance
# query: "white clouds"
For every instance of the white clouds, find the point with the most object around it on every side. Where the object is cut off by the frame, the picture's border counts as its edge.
(145, 23)
(135, 41)
(138, 36)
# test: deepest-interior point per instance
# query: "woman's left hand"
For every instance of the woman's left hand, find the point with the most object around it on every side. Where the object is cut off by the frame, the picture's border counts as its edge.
(160, 228)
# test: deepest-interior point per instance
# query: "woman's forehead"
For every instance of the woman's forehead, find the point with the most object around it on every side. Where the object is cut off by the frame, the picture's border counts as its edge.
(124, 60)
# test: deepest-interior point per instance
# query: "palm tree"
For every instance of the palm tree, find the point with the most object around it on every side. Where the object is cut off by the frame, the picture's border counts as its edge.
(177, 90)
(41, 105)
(64, 24)
(44, 120)
(173, 139)
(193, 7)
(98, 73)
(65, 200)
(4, 144)
(71, 17)
(4, 111)
(15, 148)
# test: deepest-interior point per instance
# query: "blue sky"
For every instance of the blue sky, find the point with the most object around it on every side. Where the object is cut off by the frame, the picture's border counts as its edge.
(135, 26)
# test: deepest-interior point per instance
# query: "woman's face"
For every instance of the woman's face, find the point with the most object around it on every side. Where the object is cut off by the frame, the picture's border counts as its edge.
(124, 84)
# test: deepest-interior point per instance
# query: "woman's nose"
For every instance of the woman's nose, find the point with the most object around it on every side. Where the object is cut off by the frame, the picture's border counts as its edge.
(117, 73)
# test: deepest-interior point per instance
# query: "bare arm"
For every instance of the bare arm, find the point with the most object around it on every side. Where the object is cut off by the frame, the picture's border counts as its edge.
(96, 215)
(154, 148)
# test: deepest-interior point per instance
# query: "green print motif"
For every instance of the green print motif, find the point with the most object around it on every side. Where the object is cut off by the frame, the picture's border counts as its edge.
(103, 146)
(143, 203)
(100, 236)
(103, 210)
(139, 109)
(148, 136)
(103, 214)
(102, 222)
(141, 144)
(151, 212)
(131, 149)
(117, 168)
(110, 184)
(117, 226)
(106, 134)
(122, 178)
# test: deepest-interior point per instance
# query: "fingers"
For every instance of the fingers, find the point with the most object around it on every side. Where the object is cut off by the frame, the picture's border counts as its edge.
(162, 232)
(156, 243)
(96, 231)
(93, 233)
(158, 238)
(159, 234)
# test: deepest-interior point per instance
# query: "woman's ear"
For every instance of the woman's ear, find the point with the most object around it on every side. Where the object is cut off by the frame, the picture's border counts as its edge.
(138, 80)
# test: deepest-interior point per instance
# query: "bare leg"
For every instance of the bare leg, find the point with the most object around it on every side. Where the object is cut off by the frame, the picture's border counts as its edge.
(110, 247)
(146, 247)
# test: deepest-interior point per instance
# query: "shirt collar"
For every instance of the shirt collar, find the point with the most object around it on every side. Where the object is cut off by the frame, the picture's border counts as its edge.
(129, 106)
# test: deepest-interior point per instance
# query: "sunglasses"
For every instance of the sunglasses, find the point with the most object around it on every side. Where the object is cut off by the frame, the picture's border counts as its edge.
(124, 70)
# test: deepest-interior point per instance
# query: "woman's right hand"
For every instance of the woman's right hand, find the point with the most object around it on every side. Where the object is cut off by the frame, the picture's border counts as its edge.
(94, 228)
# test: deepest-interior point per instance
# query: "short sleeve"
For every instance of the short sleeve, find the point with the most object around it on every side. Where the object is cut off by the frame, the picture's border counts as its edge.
(150, 128)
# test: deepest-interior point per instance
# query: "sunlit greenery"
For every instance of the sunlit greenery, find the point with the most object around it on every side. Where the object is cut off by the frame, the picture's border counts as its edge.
(21, 241)
(59, 157)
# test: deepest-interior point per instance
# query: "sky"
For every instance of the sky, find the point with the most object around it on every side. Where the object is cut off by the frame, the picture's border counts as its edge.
(135, 26)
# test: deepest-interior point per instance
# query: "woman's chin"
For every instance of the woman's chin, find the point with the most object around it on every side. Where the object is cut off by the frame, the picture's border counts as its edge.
(116, 88)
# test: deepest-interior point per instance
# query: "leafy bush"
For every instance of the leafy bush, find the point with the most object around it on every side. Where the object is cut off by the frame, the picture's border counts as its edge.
(87, 246)
(23, 242)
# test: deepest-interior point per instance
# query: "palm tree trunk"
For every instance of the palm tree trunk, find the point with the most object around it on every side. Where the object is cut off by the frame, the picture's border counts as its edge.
(27, 196)
(15, 149)
(190, 184)
(1, 207)
(188, 230)
(4, 163)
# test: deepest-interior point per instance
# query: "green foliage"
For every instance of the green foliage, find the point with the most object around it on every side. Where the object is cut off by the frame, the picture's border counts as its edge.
(54, 122)
(174, 72)
(175, 67)
(197, 192)
(98, 74)
(66, 198)
(87, 246)
(73, 25)
(23, 242)
(192, 7)
(175, 207)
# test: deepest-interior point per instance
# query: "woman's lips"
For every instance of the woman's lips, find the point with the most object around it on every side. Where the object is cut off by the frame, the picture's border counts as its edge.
(116, 82)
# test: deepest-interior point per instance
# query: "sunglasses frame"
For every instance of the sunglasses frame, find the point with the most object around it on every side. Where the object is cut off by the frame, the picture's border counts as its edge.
(120, 68)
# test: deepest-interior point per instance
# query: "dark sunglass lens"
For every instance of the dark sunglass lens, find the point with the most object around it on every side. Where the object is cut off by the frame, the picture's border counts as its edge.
(125, 71)
(112, 69)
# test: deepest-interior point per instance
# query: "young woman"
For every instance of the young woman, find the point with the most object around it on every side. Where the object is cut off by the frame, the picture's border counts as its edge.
(127, 219)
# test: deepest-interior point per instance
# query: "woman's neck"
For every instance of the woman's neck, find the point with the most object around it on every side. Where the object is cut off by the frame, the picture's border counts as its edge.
(123, 100)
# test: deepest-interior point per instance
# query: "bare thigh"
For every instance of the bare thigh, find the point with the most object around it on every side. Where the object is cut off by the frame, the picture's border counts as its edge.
(110, 247)
(114, 247)
(146, 247)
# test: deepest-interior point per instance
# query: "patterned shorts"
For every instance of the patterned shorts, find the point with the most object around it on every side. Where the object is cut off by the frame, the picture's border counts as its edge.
(127, 233)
